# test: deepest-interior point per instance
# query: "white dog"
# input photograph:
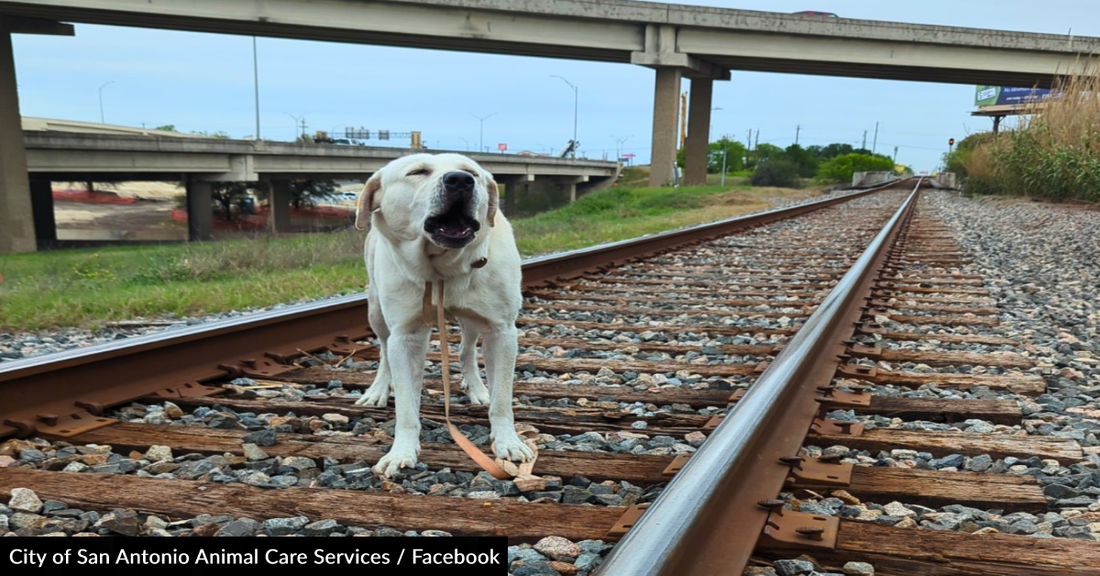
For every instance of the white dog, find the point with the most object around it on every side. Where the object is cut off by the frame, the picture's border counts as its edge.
(431, 218)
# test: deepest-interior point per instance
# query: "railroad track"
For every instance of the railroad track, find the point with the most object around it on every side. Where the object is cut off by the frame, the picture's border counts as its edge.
(708, 399)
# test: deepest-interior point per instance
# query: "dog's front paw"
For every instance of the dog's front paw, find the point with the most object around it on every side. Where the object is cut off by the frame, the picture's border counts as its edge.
(476, 391)
(376, 395)
(510, 446)
(396, 459)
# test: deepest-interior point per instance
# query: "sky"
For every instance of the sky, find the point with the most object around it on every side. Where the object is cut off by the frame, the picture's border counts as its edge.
(204, 82)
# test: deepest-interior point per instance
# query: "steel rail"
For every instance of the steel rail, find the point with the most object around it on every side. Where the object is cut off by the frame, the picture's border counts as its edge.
(707, 521)
(44, 393)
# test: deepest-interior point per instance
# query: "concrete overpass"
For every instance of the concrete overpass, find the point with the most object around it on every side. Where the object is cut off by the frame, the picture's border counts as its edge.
(104, 156)
(699, 43)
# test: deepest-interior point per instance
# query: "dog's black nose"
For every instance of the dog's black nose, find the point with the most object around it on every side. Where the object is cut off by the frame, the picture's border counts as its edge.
(458, 181)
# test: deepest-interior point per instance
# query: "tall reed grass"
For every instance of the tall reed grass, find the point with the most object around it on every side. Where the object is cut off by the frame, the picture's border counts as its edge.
(1052, 152)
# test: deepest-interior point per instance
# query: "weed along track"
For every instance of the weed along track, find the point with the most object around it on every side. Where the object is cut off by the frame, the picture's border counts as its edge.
(813, 388)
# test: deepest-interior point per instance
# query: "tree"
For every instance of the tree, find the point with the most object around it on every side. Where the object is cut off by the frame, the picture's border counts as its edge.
(307, 192)
(167, 128)
(221, 135)
(835, 149)
(841, 168)
(763, 152)
(735, 154)
(226, 194)
(803, 159)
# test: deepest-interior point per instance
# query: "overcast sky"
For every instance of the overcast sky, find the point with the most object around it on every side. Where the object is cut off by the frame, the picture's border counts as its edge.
(204, 82)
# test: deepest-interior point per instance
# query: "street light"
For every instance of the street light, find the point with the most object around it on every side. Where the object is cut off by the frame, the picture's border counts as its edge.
(101, 121)
(481, 133)
(466, 141)
(296, 120)
(619, 146)
(576, 99)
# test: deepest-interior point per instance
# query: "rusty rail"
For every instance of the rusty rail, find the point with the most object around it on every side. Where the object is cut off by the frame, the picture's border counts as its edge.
(712, 514)
(67, 393)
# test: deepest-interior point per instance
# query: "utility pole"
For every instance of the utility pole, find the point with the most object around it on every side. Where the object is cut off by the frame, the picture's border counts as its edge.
(303, 127)
(683, 118)
(895, 154)
(874, 144)
(256, 85)
(757, 143)
(864, 146)
(725, 146)
(797, 130)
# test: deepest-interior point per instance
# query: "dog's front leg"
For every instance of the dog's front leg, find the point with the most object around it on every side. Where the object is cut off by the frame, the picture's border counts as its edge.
(406, 351)
(501, 346)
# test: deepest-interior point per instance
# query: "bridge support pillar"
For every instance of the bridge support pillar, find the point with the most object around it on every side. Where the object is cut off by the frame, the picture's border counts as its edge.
(662, 54)
(200, 210)
(569, 184)
(666, 118)
(696, 149)
(280, 205)
(17, 216)
(45, 224)
(514, 188)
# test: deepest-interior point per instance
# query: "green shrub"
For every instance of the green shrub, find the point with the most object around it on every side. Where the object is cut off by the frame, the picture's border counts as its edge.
(841, 168)
(776, 172)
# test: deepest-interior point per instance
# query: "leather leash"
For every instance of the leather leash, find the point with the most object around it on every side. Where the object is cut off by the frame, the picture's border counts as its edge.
(499, 468)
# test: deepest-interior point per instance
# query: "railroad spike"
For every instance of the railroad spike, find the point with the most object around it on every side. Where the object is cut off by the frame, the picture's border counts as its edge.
(811, 532)
(774, 504)
(791, 460)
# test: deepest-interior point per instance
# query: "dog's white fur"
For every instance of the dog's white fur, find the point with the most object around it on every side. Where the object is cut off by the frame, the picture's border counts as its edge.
(401, 257)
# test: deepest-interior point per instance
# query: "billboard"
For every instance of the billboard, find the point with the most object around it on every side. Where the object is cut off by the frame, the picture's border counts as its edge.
(1000, 95)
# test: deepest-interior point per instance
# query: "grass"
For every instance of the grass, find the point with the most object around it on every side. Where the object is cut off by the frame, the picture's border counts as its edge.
(1052, 153)
(87, 287)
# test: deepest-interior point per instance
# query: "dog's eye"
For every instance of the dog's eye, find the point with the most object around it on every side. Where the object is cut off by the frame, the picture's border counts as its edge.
(420, 172)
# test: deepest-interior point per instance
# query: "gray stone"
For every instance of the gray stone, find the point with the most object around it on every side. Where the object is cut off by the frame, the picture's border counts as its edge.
(1060, 491)
(859, 569)
(587, 561)
(979, 463)
(284, 526)
(321, 527)
(265, 437)
(24, 499)
(952, 461)
(127, 526)
(793, 567)
(254, 452)
(558, 548)
(158, 454)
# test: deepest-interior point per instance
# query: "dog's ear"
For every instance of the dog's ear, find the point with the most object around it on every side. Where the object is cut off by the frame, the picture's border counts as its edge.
(494, 199)
(367, 200)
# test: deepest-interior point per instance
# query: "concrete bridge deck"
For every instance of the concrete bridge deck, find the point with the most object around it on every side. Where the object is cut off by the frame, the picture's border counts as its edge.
(199, 162)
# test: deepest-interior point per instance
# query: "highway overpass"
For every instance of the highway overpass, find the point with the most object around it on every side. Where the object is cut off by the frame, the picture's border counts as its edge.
(699, 43)
(77, 156)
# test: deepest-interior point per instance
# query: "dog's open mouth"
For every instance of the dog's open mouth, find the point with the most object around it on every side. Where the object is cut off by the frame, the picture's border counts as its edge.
(452, 229)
